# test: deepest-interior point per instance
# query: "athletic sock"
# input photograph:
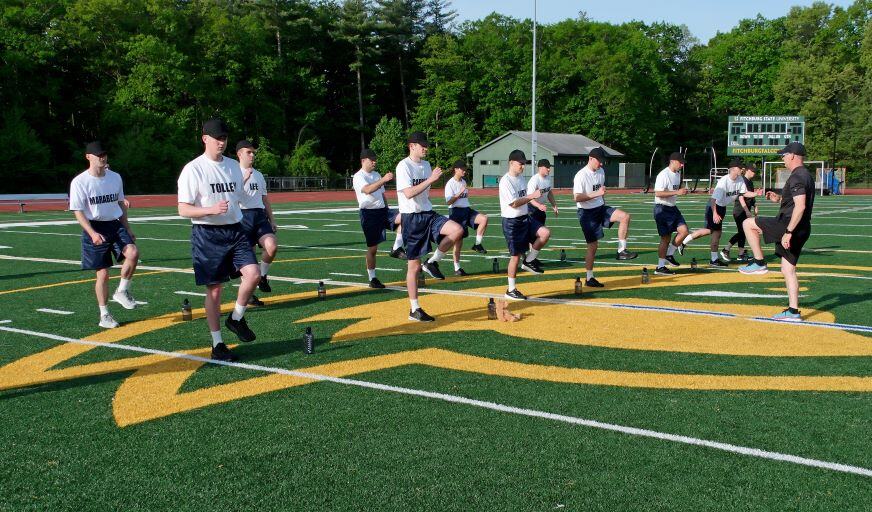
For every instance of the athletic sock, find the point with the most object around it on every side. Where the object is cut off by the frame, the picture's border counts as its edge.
(762, 263)
(714, 255)
(532, 255)
(511, 283)
(437, 257)
(590, 274)
(687, 239)
(478, 239)
(671, 250)
(661, 262)
(216, 337)
(793, 310)
(123, 285)
(456, 266)
(415, 305)
(238, 311)
(104, 310)
(264, 268)
(398, 242)
(622, 245)
(371, 273)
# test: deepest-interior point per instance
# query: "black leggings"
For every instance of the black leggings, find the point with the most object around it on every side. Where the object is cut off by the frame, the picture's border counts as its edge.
(739, 237)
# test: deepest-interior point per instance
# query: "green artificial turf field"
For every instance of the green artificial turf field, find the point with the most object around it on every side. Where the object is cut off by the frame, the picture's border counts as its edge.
(675, 395)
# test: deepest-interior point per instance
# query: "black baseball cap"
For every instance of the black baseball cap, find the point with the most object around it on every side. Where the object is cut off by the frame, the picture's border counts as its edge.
(736, 162)
(518, 156)
(95, 148)
(215, 127)
(751, 167)
(677, 157)
(794, 148)
(244, 143)
(418, 138)
(599, 153)
(368, 153)
(460, 164)
(544, 163)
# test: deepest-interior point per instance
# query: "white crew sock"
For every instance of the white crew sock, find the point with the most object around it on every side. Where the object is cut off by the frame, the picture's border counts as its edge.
(590, 274)
(216, 337)
(687, 239)
(398, 242)
(456, 265)
(532, 255)
(415, 305)
(123, 284)
(104, 310)
(371, 273)
(478, 239)
(437, 256)
(714, 256)
(661, 262)
(238, 311)
(622, 245)
(511, 283)
(264, 268)
(671, 249)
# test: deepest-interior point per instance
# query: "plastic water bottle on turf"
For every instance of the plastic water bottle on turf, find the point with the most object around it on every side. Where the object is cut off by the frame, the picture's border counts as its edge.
(322, 292)
(646, 278)
(562, 254)
(186, 311)
(308, 341)
(578, 285)
(491, 309)
(496, 266)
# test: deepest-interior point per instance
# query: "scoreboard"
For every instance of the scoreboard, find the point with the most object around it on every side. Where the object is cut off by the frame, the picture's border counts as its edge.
(762, 135)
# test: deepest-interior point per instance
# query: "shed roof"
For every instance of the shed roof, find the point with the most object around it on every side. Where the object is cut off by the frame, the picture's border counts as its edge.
(561, 144)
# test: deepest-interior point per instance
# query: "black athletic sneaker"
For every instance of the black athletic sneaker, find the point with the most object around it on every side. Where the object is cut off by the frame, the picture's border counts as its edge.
(375, 283)
(626, 255)
(420, 316)
(220, 352)
(460, 272)
(672, 261)
(593, 283)
(254, 301)
(663, 271)
(398, 253)
(479, 249)
(240, 328)
(532, 266)
(515, 295)
(432, 269)
(537, 262)
(680, 249)
(263, 285)
(718, 264)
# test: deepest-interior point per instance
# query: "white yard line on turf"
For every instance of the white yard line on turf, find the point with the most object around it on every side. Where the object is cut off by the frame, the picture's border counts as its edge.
(54, 311)
(5, 321)
(493, 406)
(193, 294)
(344, 274)
(734, 295)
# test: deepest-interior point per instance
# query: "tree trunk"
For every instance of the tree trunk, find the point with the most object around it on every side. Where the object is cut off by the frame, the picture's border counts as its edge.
(360, 106)
(403, 91)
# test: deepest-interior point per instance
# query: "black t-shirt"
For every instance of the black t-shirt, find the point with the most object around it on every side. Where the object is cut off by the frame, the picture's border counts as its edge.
(799, 183)
(737, 207)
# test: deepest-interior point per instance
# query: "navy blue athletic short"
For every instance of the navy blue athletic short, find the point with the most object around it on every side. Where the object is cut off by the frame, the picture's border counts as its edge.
(594, 220)
(374, 223)
(256, 224)
(710, 219)
(773, 229)
(520, 232)
(96, 257)
(538, 214)
(465, 217)
(419, 229)
(668, 218)
(219, 250)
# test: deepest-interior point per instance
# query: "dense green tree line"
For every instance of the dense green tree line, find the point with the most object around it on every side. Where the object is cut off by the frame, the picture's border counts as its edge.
(312, 81)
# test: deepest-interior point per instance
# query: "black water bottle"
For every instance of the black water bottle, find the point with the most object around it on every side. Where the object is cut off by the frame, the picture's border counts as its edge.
(186, 311)
(562, 254)
(646, 278)
(322, 292)
(308, 341)
(491, 309)
(496, 266)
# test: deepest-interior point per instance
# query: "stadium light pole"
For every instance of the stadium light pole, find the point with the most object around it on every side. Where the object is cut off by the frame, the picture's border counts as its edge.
(533, 127)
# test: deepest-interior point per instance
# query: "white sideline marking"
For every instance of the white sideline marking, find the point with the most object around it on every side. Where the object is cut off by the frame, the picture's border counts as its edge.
(633, 431)
(193, 294)
(390, 269)
(5, 321)
(344, 274)
(334, 225)
(293, 226)
(54, 311)
(734, 295)
(5, 247)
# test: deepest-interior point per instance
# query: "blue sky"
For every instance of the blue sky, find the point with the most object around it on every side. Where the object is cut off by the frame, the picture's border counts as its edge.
(704, 18)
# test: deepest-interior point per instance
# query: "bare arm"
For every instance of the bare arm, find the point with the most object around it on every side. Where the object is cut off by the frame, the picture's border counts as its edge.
(123, 219)
(195, 212)
(593, 195)
(521, 201)
(267, 206)
(744, 205)
(798, 210)
(369, 189)
(413, 191)
(96, 238)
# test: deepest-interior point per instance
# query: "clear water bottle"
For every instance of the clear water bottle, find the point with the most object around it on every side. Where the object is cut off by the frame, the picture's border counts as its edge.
(322, 291)
(646, 278)
(562, 254)
(491, 309)
(186, 311)
(308, 341)
(578, 285)
(496, 266)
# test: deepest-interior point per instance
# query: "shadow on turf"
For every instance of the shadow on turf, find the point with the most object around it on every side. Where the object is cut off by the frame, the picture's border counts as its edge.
(47, 272)
(64, 385)
(833, 300)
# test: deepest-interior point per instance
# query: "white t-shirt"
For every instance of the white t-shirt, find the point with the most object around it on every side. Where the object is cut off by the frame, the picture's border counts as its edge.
(409, 174)
(253, 191)
(727, 190)
(97, 197)
(452, 187)
(587, 181)
(204, 182)
(667, 181)
(511, 189)
(543, 183)
(373, 201)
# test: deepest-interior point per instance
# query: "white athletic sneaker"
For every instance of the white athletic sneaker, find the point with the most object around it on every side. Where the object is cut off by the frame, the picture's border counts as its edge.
(125, 299)
(108, 322)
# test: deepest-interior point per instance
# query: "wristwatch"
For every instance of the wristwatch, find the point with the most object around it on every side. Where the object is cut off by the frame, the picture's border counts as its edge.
(788, 232)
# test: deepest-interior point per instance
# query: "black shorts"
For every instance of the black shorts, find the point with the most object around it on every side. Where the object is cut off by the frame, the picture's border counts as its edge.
(465, 217)
(773, 229)
(520, 232)
(710, 217)
(538, 214)
(219, 250)
(256, 225)
(667, 218)
(96, 257)
(419, 229)
(594, 220)
(375, 222)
